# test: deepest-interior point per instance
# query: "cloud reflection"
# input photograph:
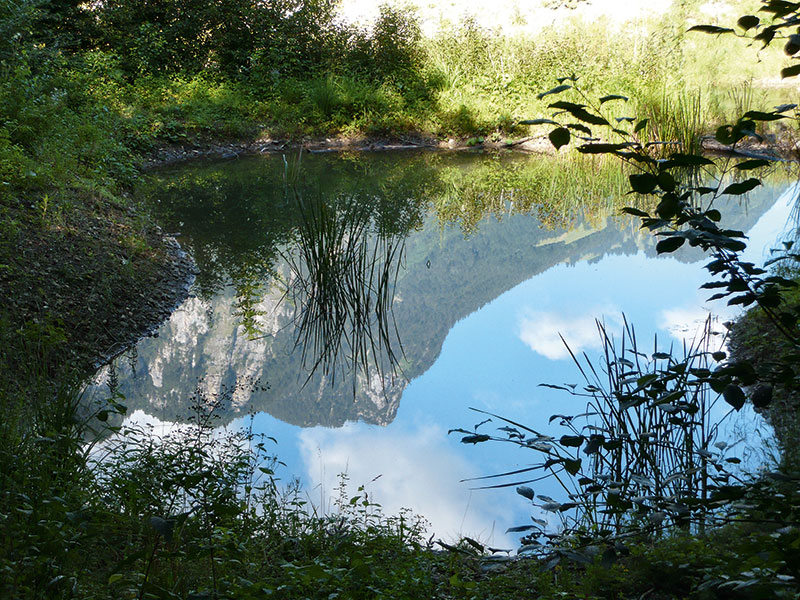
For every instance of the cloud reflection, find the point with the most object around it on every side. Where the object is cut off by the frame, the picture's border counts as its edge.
(417, 469)
(542, 331)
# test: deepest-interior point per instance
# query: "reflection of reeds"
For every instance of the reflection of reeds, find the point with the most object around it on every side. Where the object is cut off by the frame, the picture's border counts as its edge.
(343, 289)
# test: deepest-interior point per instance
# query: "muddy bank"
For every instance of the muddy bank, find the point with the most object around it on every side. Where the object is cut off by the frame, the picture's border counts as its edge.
(82, 286)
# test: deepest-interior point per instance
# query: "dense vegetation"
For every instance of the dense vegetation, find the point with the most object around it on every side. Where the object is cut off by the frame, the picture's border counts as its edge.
(86, 89)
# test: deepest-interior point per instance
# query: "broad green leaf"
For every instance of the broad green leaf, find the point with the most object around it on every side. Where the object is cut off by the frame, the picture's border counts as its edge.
(710, 29)
(579, 112)
(670, 244)
(747, 22)
(475, 439)
(762, 396)
(581, 128)
(635, 212)
(792, 71)
(556, 90)
(521, 528)
(792, 46)
(737, 189)
(610, 97)
(765, 36)
(525, 492)
(642, 183)
(573, 441)
(602, 148)
(538, 122)
(757, 115)
(754, 163)
(734, 396)
(666, 182)
(559, 137)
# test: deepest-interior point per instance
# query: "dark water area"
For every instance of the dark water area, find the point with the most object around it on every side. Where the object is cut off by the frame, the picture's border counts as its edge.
(355, 307)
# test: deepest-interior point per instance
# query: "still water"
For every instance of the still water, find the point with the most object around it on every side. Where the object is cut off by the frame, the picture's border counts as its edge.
(356, 307)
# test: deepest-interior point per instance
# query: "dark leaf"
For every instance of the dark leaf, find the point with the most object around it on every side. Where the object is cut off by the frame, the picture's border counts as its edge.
(710, 29)
(734, 396)
(579, 112)
(670, 244)
(762, 396)
(538, 122)
(556, 90)
(666, 182)
(610, 97)
(602, 148)
(755, 163)
(792, 71)
(579, 127)
(572, 466)
(572, 441)
(475, 439)
(641, 125)
(643, 183)
(521, 528)
(635, 212)
(748, 22)
(559, 137)
(757, 115)
(477, 545)
(525, 492)
(736, 189)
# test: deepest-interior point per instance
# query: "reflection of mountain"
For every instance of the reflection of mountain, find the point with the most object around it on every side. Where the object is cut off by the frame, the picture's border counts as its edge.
(445, 278)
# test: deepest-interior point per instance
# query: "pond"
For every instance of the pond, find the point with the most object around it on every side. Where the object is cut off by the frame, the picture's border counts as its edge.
(355, 307)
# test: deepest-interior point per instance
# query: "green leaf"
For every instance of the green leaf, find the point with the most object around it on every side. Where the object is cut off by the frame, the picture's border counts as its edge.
(792, 71)
(475, 439)
(711, 29)
(556, 90)
(737, 189)
(114, 578)
(571, 441)
(641, 125)
(602, 148)
(635, 212)
(572, 466)
(581, 128)
(610, 97)
(521, 528)
(666, 182)
(678, 159)
(525, 492)
(670, 244)
(748, 22)
(559, 137)
(643, 183)
(754, 163)
(734, 396)
(757, 115)
(579, 112)
(538, 122)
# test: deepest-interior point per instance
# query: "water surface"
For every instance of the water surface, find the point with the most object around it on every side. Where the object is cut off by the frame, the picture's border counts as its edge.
(487, 261)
